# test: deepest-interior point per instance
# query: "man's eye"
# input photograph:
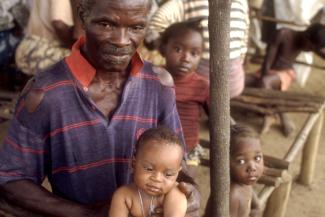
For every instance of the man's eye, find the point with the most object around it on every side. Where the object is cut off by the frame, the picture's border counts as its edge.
(137, 28)
(105, 24)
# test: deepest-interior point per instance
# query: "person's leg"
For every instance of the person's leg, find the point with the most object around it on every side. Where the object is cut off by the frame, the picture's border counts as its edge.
(271, 81)
(288, 127)
(278, 81)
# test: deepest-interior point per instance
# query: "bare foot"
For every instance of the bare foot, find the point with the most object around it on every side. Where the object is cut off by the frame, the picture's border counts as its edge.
(269, 120)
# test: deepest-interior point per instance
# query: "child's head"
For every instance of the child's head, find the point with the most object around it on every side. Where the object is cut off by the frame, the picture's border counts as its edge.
(315, 34)
(157, 161)
(182, 45)
(246, 158)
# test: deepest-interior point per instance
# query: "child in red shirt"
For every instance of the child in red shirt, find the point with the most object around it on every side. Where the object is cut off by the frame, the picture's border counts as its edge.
(182, 46)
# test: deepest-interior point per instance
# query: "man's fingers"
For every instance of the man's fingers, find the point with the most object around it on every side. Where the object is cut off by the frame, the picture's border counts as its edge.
(186, 189)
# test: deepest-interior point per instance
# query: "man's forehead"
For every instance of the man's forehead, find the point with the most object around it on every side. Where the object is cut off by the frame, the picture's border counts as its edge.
(125, 3)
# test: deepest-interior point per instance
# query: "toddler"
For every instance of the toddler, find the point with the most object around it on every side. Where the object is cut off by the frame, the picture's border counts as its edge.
(246, 167)
(156, 165)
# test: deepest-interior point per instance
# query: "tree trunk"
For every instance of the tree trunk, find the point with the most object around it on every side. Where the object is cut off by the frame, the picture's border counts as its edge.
(219, 25)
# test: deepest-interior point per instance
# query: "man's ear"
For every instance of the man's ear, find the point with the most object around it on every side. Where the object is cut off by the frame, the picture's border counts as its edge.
(133, 162)
(81, 15)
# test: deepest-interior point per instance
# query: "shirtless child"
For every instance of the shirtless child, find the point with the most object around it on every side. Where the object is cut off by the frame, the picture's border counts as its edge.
(156, 165)
(277, 70)
(246, 167)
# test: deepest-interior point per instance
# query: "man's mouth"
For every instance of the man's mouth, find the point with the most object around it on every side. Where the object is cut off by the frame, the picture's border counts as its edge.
(117, 57)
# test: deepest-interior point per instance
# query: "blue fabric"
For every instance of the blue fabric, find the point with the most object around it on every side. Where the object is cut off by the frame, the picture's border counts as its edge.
(8, 44)
(85, 155)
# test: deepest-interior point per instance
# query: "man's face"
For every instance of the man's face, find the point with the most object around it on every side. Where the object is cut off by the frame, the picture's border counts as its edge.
(114, 29)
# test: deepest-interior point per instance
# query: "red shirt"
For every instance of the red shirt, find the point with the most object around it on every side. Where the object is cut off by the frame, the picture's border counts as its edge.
(192, 94)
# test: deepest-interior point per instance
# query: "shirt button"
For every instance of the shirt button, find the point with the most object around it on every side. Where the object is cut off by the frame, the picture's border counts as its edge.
(86, 89)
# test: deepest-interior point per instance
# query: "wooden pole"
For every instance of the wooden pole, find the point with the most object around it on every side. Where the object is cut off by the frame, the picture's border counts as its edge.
(277, 202)
(219, 26)
(265, 193)
(301, 139)
(310, 153)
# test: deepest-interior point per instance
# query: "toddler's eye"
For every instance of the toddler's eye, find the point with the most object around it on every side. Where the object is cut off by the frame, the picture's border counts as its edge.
(241, 161)
(148, 169)
(168, 175)
(258, 158)
(195, 54)
(177, 49)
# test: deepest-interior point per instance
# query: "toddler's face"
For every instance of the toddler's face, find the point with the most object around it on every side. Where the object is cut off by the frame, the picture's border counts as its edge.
(183, 53)
(246, 161)
(156, 167)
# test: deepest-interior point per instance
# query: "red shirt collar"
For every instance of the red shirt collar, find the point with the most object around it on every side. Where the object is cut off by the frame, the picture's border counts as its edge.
(84, 72)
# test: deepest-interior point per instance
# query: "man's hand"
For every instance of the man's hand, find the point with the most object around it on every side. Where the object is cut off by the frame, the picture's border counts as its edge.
(193, 201)
(193, 198)
(100, 210)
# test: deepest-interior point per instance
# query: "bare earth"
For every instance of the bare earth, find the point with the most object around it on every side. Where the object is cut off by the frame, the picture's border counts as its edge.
(304, 201)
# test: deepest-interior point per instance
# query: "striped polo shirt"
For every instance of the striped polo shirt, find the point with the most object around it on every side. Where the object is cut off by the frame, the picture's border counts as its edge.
(180, 10)
(85, 155)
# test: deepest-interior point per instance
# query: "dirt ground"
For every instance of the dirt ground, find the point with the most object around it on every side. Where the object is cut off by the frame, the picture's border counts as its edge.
(304, 201)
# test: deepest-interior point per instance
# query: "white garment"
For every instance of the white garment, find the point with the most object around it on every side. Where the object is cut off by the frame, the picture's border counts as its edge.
(6, 18)
(44, 12)
(300, 12)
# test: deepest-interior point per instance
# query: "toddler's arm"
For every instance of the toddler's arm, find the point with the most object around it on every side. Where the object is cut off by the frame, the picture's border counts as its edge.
(118, 206)
(175, 203)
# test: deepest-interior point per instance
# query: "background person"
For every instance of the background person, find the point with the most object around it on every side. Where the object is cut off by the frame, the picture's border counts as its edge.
(182, 47)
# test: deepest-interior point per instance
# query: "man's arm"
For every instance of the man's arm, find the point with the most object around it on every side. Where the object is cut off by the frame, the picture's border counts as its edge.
(271, 52)
(62, 21)
(320, 53)
(38, 200)
(64, 33)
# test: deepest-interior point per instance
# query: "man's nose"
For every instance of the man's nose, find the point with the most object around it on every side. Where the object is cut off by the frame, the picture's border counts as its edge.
(120, 37)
